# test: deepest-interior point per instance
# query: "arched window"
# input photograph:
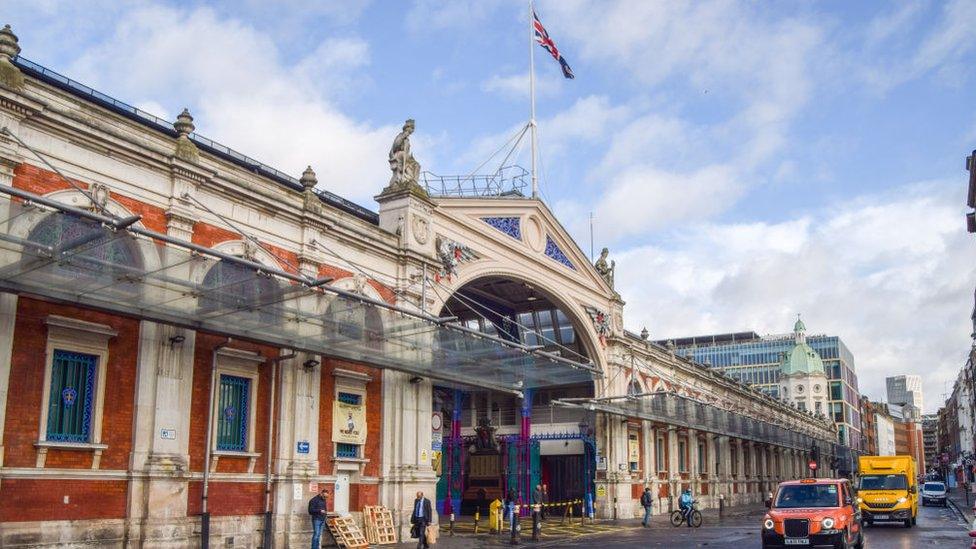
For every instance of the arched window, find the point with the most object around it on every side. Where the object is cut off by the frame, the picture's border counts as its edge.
(229, 285)
(356, 321)
(85, 248)
(634, 388)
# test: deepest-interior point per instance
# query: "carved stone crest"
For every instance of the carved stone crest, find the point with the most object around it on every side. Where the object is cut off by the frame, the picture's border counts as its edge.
(451, 255)
(421, 229)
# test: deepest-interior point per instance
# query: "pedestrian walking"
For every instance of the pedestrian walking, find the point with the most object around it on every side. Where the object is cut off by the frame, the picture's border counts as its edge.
(646, 502)
(317, 508)
(420, 518)
(545, 502)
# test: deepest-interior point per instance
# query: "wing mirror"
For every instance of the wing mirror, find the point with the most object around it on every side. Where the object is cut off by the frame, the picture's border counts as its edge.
(913, 490)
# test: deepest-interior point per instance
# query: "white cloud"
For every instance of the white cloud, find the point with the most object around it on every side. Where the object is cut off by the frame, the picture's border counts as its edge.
(946, 49)
(891, 274)
(667, 165)
(242, 94)
(426, 15)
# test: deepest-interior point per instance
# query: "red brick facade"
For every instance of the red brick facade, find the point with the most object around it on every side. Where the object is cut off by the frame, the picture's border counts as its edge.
(36, 499)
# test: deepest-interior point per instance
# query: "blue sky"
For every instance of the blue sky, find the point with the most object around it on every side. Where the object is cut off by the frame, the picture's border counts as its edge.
(744, 161)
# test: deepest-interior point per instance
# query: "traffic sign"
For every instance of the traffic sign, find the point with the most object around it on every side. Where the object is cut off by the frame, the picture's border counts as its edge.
(812, 465)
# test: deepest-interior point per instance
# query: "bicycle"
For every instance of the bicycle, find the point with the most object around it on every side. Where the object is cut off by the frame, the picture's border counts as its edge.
(678, 517)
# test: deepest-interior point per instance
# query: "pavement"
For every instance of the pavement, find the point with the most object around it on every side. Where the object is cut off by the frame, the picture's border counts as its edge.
(957, 498)
(937, 526)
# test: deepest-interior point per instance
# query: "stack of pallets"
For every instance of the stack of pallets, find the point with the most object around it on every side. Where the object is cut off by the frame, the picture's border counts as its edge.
(378, 522)
(346, 532)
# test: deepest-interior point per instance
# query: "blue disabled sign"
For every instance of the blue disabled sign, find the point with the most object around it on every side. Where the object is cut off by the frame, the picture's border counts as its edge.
(303, 447)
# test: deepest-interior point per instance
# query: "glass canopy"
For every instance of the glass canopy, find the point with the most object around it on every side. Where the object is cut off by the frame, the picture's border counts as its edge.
(681, 411)
(75, 256)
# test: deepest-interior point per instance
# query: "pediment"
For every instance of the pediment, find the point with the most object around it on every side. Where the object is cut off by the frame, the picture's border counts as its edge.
(525, 227)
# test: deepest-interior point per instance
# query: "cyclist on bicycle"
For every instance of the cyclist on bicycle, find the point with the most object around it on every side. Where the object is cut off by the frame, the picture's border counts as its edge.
(686, 505)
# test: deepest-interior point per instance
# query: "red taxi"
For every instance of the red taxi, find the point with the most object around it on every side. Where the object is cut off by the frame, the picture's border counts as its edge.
(813, 512)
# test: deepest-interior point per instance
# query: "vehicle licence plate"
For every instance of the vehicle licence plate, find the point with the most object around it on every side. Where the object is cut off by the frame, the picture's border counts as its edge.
(881, 517)
(797, 541)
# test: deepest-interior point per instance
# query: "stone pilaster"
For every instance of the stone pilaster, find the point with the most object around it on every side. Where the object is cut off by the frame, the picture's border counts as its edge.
(160, 452)
(298, 401)
(407, 409)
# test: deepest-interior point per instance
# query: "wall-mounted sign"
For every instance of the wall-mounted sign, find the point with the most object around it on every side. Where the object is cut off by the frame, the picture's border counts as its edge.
(424, 456)
(167, 434)
(601, 463)
(303, 447)
(348, 423)
(298, 491)
(313, 487)
(601, 491)
(436, 421)
(436, 441)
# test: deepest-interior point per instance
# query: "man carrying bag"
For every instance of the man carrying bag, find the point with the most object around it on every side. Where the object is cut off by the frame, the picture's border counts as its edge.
(420, 518)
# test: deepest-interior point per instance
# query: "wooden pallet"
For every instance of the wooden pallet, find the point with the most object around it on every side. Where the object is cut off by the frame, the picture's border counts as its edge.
(347, 533)
(378, 523)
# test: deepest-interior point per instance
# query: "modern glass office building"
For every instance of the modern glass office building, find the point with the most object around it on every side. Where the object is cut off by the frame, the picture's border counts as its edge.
(754, 360)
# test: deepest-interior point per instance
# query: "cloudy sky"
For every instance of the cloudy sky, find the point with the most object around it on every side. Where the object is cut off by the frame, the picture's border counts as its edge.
(744, 162)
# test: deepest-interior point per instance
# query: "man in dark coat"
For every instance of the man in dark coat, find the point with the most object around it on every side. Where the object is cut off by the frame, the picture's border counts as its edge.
(646, 503)
(420, 517)
(317, 510)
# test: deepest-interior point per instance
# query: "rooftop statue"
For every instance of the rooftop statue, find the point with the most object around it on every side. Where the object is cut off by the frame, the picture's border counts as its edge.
(406, 169)
(605, 269)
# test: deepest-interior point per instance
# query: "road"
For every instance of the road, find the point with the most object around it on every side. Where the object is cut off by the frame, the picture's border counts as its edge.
(937, 527)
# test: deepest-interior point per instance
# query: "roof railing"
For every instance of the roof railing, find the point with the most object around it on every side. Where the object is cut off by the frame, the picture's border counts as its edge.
(507, 182)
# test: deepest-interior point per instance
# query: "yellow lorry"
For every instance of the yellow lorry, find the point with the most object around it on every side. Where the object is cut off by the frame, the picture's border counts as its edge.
(888, 489)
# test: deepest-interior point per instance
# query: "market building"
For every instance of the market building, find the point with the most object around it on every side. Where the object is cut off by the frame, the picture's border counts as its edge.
(191, 342)
(757, 360)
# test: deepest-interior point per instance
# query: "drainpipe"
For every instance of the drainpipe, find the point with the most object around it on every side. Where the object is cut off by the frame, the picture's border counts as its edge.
(204, 514)
(268, 537)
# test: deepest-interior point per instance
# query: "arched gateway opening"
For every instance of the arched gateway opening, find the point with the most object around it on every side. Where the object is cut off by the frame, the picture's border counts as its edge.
(493, 442)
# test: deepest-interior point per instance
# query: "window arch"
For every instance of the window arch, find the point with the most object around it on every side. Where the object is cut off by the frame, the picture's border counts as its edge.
(355, 320)
(230, 285)
(634, 387)
(90, 250)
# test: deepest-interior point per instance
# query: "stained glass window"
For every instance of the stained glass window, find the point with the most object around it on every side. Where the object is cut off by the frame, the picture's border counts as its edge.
(230, 285)
(85, 248)
(70, 408)
(232, 413)
(508, 225)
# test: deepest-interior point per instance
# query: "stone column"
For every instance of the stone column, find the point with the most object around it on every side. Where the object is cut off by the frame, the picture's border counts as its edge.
(298, 402)
(407, 409)
(674, 477)
(159, 460)
(693, 471)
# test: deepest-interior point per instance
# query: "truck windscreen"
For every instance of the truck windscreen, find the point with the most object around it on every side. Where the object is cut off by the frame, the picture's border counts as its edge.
(883, 482)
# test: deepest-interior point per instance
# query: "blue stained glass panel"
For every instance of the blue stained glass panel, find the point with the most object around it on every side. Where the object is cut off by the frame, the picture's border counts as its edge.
(512, 226)
(553, 252)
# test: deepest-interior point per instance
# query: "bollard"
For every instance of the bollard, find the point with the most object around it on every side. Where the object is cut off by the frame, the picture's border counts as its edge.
(535, 522)
(721, 505)
(583, 513)
(670, 504)
(569, 509)
(477, 517)
(515, 526)
(452, 525)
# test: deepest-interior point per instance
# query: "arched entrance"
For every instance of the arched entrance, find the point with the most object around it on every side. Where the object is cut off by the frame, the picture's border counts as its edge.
(495, 443)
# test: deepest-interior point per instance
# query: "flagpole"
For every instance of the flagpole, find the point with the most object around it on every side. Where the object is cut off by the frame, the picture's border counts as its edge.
(532, 125)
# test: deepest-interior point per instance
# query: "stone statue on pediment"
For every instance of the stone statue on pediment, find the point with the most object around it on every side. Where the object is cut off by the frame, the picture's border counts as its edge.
(405, 168)
(604, 268)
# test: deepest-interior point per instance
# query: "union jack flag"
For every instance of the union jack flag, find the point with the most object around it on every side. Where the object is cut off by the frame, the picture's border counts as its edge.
(542, 37)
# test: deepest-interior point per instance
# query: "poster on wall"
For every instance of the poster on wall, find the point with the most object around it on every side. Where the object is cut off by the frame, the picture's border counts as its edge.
(348, 423)
(634, 450)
